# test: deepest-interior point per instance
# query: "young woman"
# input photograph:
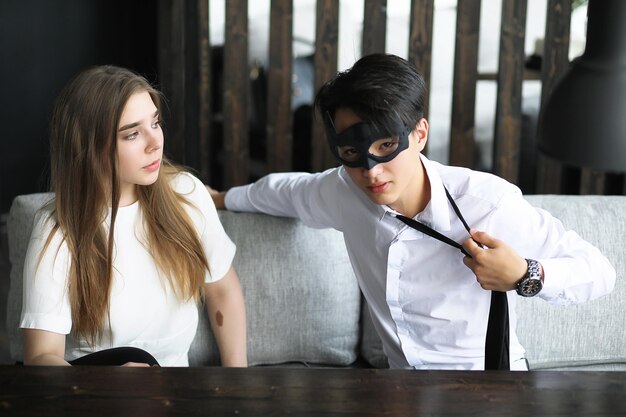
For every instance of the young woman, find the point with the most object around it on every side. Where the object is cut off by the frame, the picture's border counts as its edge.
(129, 245)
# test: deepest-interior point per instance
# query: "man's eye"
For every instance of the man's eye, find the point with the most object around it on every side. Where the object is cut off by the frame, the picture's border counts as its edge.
(349, 154)
(385, 147)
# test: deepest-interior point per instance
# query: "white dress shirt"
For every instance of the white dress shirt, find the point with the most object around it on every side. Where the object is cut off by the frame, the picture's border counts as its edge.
(144, 312)
(426, 305)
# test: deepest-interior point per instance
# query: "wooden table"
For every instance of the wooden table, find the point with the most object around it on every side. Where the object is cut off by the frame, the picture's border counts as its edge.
(109, 391)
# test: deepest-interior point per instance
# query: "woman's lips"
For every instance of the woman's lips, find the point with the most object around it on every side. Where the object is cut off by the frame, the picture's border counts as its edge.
(153, 166)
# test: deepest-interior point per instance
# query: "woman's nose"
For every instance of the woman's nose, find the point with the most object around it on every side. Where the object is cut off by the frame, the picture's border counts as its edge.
(155, 141)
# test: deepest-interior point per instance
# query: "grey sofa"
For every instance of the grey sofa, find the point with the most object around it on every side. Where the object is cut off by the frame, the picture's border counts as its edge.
(304, 306)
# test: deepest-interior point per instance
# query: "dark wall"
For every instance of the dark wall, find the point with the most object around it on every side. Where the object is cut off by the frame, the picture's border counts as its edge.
(43, 44)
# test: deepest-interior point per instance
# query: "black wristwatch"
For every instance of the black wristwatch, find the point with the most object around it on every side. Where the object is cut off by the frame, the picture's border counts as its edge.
(531, 282)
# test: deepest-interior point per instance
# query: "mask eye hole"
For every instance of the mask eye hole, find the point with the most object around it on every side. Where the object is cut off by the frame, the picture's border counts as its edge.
(348, 153)
(384, 147)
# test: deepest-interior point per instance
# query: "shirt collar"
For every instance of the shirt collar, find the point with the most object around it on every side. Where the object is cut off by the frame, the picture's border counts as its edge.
(436, 214)
(437, 211)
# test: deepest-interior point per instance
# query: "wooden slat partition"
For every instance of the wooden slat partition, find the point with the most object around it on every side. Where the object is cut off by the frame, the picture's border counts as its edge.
(374, 26)
(325, 62)
(186, 75)
(278, 127)
(508, 124)
(421, 40)
(555, 62)
(235, 107)
(464, 84)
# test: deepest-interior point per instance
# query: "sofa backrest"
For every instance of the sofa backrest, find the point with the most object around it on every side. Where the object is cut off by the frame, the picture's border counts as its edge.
(303, 303)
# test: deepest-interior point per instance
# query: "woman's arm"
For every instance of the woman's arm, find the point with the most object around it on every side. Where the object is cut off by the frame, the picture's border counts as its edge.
(227, 314)
(42, 347)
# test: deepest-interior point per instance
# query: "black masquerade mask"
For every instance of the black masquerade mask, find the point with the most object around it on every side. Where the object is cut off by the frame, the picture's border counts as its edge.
(361, 145)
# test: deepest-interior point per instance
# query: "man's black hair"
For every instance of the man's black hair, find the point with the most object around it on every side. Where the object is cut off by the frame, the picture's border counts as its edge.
(380, 88)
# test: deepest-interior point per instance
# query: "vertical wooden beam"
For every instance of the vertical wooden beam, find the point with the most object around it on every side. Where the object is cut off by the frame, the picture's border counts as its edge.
(171, 38)
(192, 84)
(183, 65)
(508, 123)
(554, 64)
(236, 80)
(279, 136)
(204, 90)
(613, 184)
(462, 139)
(325, 63)
(421, 41)
(374, 27)
(592, 182)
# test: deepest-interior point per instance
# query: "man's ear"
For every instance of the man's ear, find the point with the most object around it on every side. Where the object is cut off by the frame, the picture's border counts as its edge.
(421, 133)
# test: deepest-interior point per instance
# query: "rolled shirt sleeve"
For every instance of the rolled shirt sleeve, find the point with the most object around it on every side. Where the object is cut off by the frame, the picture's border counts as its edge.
(575, 271)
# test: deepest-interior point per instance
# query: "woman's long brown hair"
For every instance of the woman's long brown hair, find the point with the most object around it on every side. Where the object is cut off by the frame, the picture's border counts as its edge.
(84, 178)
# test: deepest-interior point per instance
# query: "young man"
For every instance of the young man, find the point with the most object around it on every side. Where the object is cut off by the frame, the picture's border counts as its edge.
(429, 301)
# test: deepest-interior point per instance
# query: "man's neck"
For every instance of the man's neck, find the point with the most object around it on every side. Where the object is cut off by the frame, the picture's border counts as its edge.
(418, 195)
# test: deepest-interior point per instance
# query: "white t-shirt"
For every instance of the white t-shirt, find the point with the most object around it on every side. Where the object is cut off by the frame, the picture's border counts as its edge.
(426, 305)
(144, 311)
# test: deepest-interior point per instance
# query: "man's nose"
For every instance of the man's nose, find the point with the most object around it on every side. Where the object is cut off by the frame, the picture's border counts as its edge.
(374, 168)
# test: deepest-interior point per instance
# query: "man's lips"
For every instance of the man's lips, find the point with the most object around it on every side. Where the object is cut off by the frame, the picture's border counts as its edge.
(378, 187)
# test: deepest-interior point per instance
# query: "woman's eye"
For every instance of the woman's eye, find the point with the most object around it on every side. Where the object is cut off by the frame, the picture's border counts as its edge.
(156, 124)
(131, 136)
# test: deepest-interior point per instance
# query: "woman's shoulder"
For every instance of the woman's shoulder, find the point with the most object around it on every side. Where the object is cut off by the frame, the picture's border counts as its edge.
(44, 220)
(185, 183)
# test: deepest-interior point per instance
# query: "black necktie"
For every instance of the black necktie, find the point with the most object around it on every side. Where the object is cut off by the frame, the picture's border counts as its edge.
(497, 339)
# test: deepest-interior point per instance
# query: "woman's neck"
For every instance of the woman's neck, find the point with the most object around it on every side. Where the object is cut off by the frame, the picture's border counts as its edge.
(128, 195)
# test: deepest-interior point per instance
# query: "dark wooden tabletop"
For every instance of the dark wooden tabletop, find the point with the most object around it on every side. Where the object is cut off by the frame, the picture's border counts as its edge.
(110, 391)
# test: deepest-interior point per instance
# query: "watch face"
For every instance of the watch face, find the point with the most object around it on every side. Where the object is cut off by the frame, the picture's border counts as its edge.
(530, 287)
(531, 284)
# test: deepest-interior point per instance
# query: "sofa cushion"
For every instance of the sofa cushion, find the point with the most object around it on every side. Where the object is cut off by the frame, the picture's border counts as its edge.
(589, 335)
(302, 299)
(371, 345)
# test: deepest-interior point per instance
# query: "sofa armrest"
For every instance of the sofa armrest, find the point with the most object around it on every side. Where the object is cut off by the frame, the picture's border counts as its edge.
(19, 228)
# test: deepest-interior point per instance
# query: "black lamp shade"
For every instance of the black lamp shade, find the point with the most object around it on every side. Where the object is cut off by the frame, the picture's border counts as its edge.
(583, 121)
